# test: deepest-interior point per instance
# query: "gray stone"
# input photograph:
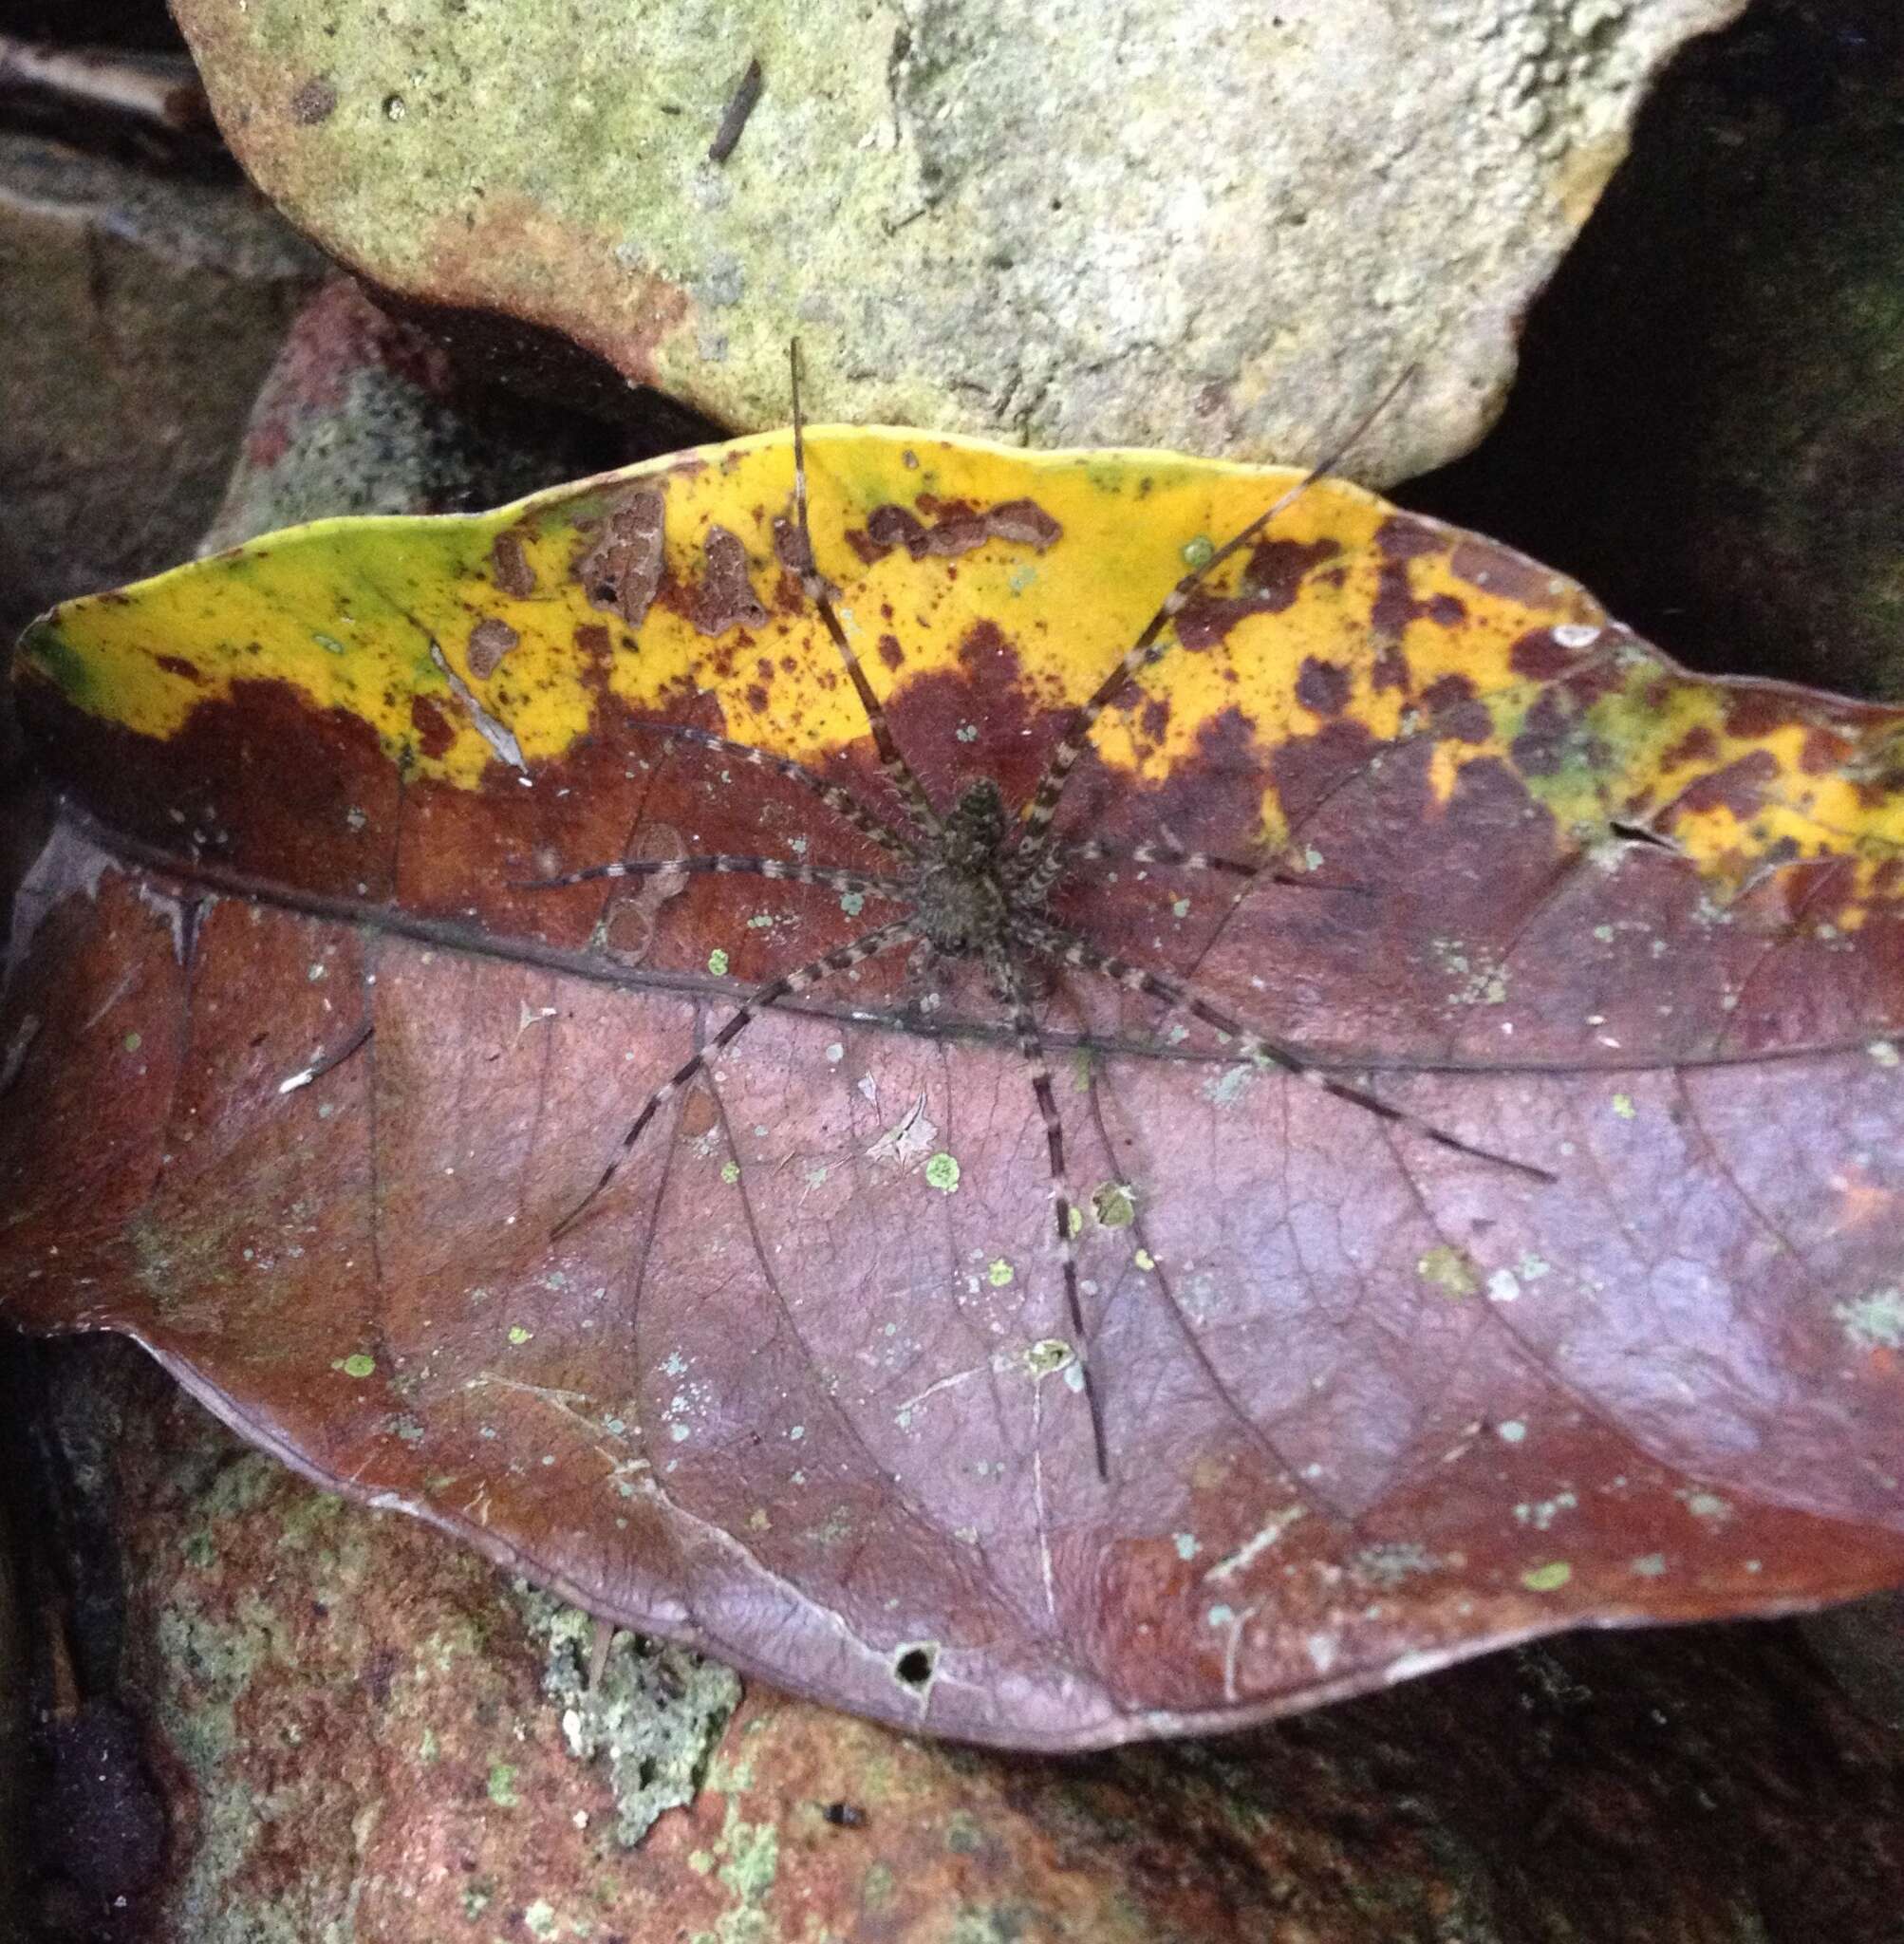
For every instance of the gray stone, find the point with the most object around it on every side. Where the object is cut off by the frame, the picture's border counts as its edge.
(1169, 222)
(363, 413)
(137, 316)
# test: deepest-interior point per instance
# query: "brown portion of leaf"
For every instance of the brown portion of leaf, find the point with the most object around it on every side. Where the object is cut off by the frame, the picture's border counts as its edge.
(1362, 1466)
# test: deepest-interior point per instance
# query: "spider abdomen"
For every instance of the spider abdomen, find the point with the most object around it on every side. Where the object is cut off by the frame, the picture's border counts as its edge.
(961, 909)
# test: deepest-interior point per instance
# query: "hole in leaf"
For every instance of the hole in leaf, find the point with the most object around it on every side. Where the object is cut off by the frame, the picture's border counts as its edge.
(913, 1665)
(1639, 833)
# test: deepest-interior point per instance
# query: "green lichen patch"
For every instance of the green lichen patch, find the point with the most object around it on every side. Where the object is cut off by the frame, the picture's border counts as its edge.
(1450, 1270)
(1875, 1321)
(655, 1716)
(1050, 1354)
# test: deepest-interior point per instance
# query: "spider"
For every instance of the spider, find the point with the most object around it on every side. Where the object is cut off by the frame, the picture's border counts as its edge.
(974, 878)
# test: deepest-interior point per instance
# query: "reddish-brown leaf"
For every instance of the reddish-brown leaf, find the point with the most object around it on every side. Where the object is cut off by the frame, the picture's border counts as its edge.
(300, 1082)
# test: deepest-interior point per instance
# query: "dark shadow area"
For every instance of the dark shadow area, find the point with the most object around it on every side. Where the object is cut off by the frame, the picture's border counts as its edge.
(1708, 424)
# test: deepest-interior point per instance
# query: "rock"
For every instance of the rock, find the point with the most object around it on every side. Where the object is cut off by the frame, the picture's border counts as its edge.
(137, 316)
(367, 1732)
(1863, 1643)
(1172, 225)
(1709, 425)
(365, 413)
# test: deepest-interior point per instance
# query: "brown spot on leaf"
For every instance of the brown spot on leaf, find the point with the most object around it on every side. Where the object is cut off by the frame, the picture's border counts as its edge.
(1400, 541)
(887, 527)
(510, 563)
(1738, 787)
(890, 650)
(1390, 670)
(1401, 538)
(1322, 686)
(1447, 692)
(1277, 569)
(981, 649)
(1465, 722)
(177, 664)
(1696, 745)
(1551, 737)
(1394, 605)
(1824, 751)
(434, 733)
(1270, 582)
(724, 596)
(957, 527)
(1755, 710)
(490, 641)
(1025, 521)
(1456, 713)
(592, 641)
(1484, 564)
(622, 572)
(1539, 656)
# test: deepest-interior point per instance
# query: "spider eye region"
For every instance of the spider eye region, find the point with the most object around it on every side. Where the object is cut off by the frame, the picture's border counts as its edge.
(975, 832)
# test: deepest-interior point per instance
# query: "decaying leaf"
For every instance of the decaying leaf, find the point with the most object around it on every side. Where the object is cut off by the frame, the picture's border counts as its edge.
(306, 1077)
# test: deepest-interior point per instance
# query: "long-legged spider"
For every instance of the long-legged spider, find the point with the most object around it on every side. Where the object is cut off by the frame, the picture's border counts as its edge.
(974, 881)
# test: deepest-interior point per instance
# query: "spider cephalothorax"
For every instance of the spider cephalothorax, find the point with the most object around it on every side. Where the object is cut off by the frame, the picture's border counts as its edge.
(961, 891)
(972, 883)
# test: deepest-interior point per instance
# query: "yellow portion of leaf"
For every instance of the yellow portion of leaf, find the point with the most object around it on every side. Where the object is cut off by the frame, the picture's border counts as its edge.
(354, 615)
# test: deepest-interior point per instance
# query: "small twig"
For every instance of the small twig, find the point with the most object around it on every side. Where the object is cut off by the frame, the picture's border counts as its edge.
(155, 88)
(733, 118)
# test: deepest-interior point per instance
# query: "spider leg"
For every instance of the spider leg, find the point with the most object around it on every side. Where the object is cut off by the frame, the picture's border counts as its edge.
(1056, 942)
(1011, 991)
(1045, 869)
(842, 802)
(842, 957)
(813, 584)
(722, 865)
(1172, 855)
(1149, 645)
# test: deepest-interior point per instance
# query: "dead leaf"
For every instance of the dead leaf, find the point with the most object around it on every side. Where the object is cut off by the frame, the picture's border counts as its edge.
(802, 1396)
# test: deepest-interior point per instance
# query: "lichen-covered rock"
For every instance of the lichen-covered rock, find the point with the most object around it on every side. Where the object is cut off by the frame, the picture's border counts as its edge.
(1155, 224)
(361, 1727)
(651, 1711)
(363, 413)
